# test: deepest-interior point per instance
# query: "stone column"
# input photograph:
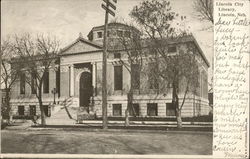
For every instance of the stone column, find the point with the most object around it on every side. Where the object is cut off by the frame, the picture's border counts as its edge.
(201, 84)
(94, 77)
(72, 81)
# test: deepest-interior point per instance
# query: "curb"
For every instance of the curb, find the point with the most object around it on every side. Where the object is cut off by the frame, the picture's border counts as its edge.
(113, 130)
(147, 122)
(122, 128)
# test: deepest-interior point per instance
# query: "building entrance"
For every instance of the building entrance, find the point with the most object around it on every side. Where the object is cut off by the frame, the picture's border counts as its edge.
(86, 90)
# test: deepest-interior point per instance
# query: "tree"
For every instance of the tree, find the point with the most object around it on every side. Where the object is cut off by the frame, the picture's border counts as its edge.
(205, 10)
(36, 56)
(131, 58)
(9, 75)
(177, 70)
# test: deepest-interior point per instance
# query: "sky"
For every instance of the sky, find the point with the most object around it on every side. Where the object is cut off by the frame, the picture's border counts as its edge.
(67, 18)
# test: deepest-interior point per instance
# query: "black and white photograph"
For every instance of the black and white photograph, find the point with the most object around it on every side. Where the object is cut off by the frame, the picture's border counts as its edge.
(107, 77)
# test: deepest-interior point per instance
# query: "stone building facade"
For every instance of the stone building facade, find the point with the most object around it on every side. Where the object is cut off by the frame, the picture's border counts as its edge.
(78, 81)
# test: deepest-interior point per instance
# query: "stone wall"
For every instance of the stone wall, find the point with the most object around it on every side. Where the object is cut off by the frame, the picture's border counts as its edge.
(190, 107)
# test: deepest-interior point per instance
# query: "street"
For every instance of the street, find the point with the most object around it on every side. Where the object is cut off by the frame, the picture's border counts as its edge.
(82, 142)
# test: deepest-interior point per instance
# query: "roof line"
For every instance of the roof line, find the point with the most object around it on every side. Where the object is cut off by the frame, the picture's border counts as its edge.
(100, 47)
(201, 52)
(83, 40)
(85, 52)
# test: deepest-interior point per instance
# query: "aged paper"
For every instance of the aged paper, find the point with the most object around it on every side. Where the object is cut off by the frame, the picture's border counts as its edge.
(231, 79)
(231, 86)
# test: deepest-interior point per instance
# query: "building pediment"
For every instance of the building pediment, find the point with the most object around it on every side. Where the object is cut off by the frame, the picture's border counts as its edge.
(81, 45)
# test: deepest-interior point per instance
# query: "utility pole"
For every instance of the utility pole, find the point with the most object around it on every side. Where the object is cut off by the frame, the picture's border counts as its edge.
(1, 82)
(0, 78)
(104, 62)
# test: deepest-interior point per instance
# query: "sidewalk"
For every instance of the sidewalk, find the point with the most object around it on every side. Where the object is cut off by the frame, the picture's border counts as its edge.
(93, 125)
(158, 123)
(19, 125)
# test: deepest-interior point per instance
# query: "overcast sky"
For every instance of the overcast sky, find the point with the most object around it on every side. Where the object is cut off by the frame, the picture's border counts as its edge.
(67, 18)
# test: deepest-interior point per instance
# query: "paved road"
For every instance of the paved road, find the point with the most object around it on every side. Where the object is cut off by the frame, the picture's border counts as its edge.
(82, 142)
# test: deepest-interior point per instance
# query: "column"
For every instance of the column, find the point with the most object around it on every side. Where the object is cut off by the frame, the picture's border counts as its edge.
(94, 76)
(72, 81)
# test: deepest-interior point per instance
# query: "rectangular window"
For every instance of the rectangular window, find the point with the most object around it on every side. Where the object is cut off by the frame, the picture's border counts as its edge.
(153, 80)
(118, 77)
(134, 53)
(108, 33)
(152, 109)
(198, 109)
(58, 81)
(46, 109)
(46, 82)
(117, 110)
(170, 109)
(33, 83)
(117, 55)
(32, 110)
(21, 110)
(127, 34)
(22, 83)
(119, 33)
(99, 34)
(3, 100)
(172, 49)
(134, 111)
(135, 75)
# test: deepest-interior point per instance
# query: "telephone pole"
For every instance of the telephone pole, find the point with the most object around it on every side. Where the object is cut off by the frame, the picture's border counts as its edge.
(1, 82)
(108, 11)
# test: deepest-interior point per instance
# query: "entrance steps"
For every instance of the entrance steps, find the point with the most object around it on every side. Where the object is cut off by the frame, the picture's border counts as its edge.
(67, 113)
(63, 114)
(62, 118)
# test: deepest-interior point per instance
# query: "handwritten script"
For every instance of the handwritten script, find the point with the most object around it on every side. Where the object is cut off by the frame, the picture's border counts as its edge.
(231, 78)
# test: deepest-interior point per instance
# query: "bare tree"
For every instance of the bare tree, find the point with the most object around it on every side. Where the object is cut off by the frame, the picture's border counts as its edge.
(36, 56)
(8, 76)
(131, 57)
(177, 70)
(205, 10)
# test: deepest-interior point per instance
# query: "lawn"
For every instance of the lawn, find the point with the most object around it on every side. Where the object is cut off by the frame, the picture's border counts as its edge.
(84, 142)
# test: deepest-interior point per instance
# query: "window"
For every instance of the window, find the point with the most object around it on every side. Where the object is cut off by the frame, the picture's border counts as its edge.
(20, 110)
(170, 109)
(58, 81)
(22, 83)
(134, 111)
(118, 77)
(127, 34)
(152, 109)
(108, 33)
(3, 100)
(134, 53)
(46, 109)
(117, 110)
(99, 34)
(33, 83)
(135, 75)
(172, 49)
(119, 33)
(32, 110)
(153, 81)
(46, 82)
(198, 109)
(117, 55)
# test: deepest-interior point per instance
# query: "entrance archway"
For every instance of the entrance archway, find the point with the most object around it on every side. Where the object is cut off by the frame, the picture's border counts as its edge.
(85, 88)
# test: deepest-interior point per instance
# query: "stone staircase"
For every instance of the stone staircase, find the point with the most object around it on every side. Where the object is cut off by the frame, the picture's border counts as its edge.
(63, 114)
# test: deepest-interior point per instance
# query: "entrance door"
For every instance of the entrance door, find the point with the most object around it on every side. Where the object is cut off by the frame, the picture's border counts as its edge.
(85, 89)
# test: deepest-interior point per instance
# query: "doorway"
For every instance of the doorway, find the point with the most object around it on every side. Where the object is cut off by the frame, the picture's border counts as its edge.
(86, 90)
